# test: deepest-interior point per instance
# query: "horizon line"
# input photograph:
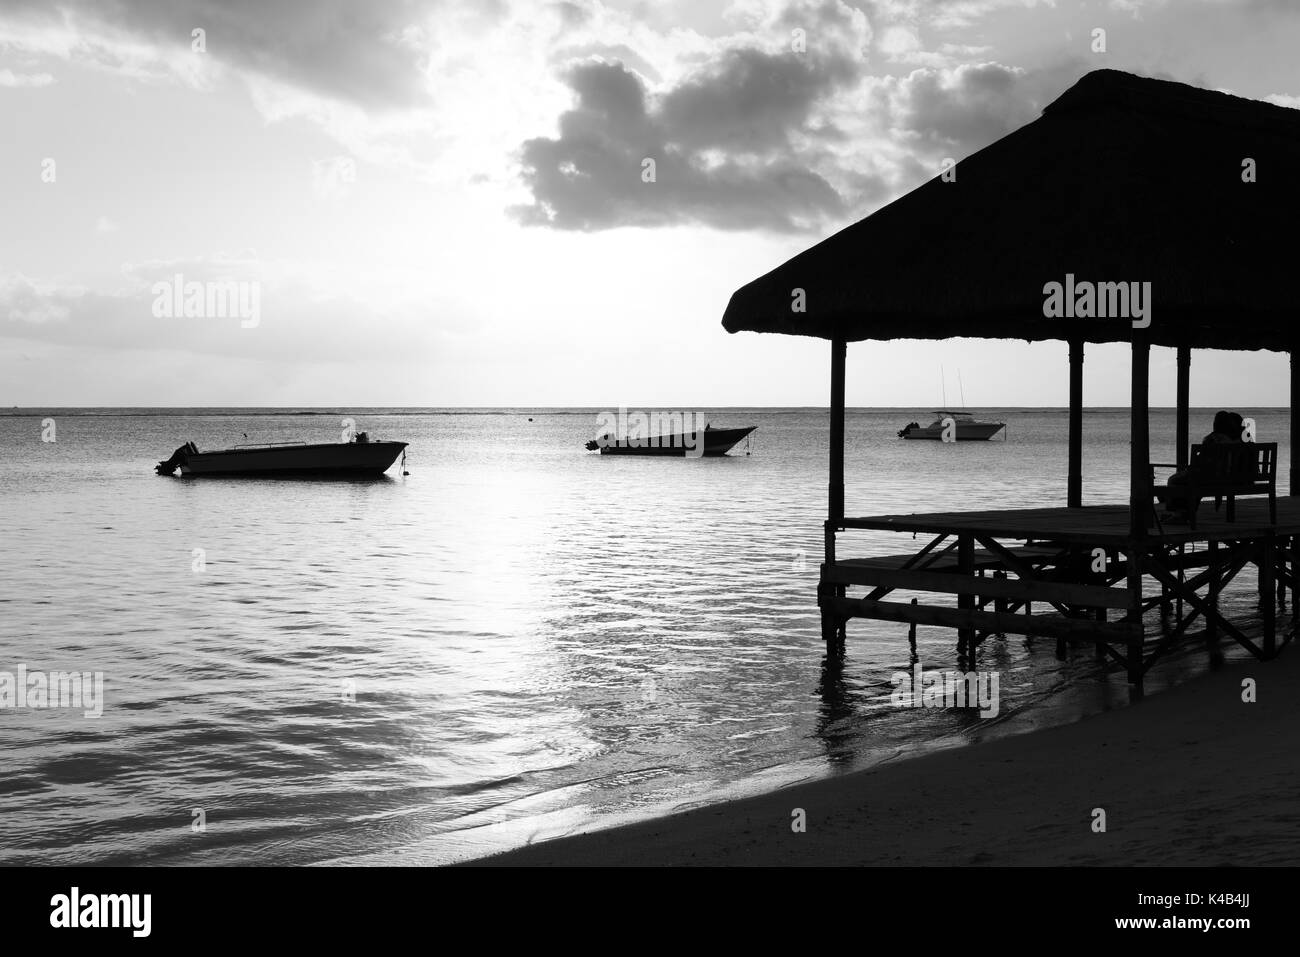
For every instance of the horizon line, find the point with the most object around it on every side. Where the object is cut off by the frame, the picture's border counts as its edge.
(19, 411)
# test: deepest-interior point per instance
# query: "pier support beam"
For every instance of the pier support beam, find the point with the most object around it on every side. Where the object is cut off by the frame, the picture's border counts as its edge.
(966, 602)
(1184, 391)
(1074, 489)
(1133, 651)
(832, 623)
(1295, 425)
(1268, 611)
(1212, 600)
(835, 511)
(1140, 502)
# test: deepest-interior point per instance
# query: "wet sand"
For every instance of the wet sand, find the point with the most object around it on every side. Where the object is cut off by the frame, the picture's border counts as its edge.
(1191, 776)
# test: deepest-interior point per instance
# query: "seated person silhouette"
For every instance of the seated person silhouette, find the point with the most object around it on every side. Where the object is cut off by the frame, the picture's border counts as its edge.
(1228, 428)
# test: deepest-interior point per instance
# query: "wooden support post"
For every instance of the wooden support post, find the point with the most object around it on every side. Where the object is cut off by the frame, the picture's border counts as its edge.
(1140, 502)
(1183, 438)
(966, 567)
(1293, 548)
(835, 512)
(1102, 578)
(1267, 557)
(1182, 576)
(1295, 425)
(1212, 599)
(1074, 489)
(832, 627)
(1133, 653)
(1280, 552)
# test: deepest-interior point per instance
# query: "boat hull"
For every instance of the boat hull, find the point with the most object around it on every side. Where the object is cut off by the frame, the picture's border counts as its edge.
(709, 443)
(974, 432)
(346, 459)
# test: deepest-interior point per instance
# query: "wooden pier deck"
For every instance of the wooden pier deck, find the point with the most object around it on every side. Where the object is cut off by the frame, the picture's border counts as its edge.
(1092, 524)
(1083, 564)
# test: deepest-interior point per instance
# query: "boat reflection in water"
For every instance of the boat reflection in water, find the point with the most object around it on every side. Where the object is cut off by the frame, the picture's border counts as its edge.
(355, 459)
(965, 428)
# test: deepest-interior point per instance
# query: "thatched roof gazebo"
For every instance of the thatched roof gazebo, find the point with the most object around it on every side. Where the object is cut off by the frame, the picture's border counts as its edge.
(1123, 179)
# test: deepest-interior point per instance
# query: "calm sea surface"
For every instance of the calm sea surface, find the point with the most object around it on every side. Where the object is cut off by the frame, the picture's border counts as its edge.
(517, 639)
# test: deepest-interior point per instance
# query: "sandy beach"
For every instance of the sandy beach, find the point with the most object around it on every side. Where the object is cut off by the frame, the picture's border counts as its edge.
(1192, 776)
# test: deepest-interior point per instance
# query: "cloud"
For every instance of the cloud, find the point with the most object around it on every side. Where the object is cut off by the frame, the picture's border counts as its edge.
(760, 134)
(11, 79)
(36, 303)
(946, 13)
(739, 141)
(897, 42)
(368, 54)
(593, 175)
(958, 110)
(751, 101)
(302, 317)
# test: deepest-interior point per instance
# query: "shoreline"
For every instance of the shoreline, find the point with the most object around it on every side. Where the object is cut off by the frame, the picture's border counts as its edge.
(1192, 776)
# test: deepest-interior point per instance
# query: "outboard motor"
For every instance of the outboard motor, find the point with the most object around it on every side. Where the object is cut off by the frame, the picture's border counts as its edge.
(180, 457)
(902, 433)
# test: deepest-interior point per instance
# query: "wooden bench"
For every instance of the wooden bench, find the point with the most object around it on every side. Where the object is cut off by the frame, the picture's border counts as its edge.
(1226, 471)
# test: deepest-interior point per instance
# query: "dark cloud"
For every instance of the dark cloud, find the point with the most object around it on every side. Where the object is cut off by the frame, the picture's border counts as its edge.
(721, 141)
(344, 49)
(751, 101)
(963, 109)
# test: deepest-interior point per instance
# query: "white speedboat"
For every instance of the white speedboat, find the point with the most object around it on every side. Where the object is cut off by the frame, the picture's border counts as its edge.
(357, 458)
(965, 428)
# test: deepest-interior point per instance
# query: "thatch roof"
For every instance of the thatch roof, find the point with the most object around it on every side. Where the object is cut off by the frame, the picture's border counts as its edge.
(1122, 178)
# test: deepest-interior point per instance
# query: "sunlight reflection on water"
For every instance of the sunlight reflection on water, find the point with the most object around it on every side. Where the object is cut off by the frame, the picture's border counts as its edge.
(537, 636)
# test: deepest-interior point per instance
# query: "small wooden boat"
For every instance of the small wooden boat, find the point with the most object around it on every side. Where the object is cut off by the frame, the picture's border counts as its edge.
(707, 442)
(966, 428)
(358, 458)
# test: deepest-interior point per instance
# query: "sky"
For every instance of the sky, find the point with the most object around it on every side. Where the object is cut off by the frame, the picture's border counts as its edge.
(444, 203)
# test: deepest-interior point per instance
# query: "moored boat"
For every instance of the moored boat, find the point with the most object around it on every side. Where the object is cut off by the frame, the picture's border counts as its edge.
(357, 458)
(708, 441)
(965, 428)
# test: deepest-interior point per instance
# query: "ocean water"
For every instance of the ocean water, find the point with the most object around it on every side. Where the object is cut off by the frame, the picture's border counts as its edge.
(516, 640)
